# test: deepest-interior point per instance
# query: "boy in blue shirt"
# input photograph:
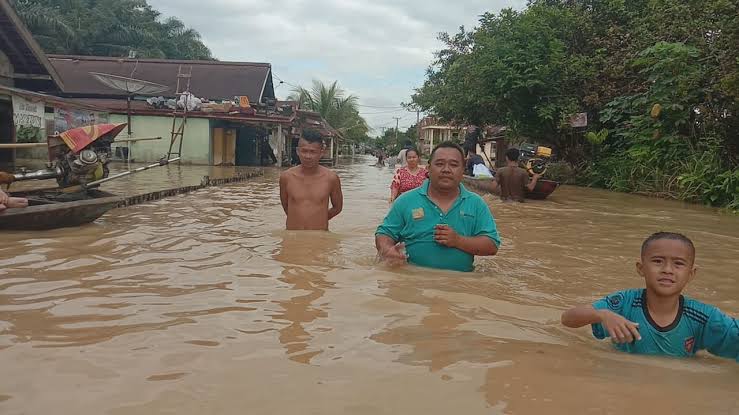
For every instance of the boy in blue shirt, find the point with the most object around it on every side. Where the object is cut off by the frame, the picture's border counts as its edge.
(659, 319)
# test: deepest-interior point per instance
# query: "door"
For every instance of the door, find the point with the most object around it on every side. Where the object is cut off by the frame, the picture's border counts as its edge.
(7, 132)
(247, 147)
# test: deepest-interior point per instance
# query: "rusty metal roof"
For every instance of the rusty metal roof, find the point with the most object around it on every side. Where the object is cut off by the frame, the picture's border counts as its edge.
(28, 59)
(213, 80)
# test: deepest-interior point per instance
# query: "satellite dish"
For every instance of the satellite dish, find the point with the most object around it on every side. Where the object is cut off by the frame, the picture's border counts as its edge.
(129, 85)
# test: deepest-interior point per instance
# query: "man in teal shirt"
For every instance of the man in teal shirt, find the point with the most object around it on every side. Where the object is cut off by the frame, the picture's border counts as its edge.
(441, 224)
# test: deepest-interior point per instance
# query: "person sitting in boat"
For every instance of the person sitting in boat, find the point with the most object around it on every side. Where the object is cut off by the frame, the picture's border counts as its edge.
(513, 180)
(11, 202)
(409, 177)
(441, 224)
(476, 165)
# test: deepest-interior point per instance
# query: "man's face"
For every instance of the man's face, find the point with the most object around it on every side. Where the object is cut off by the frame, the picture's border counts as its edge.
(309, 153)
(446, 168)
(667, 265)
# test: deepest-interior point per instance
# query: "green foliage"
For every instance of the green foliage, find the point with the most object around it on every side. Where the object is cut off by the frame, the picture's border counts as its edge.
(338, 109)
(392, 145)
(24, 134)
(109, 28)
(659, 80)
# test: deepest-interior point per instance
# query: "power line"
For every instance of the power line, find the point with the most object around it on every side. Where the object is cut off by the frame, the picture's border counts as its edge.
(380, 112)
(380, 107)
(284, 82)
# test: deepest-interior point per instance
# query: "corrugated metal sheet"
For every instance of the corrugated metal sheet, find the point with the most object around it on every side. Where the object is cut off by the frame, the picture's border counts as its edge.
(210, 79)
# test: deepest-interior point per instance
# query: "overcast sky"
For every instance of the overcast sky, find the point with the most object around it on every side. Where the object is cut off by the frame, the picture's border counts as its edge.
(378, 50)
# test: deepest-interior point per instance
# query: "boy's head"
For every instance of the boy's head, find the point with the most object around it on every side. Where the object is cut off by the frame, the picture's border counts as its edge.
(512, 154)
(310, 148)
(667, 263)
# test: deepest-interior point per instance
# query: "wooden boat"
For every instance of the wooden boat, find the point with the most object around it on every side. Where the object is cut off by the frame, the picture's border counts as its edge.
(541, 191)
(51, 209)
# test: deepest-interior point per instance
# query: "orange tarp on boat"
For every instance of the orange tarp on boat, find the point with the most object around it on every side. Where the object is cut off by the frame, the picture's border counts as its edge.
(80, 137)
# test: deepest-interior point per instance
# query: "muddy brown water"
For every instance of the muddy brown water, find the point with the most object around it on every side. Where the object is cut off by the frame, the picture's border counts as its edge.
(201, 304)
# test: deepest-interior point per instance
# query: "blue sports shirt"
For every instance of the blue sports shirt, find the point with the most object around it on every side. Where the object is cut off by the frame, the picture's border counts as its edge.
(697, 326)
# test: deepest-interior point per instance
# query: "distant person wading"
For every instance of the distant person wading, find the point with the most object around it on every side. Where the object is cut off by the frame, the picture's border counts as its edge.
(409, 177)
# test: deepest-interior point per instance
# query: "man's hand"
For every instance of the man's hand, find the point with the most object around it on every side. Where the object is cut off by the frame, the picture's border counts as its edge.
(394, 255)
(4, 198)
(6, 178)
(620, 329)
(446, 236)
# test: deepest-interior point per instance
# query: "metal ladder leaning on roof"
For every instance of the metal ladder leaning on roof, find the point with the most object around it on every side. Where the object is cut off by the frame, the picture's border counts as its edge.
(178, 131)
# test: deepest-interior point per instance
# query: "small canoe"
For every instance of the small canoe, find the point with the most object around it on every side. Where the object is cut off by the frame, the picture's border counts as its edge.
(51, 209)
(541, 191)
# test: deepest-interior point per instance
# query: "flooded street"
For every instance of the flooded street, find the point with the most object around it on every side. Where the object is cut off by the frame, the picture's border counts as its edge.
(202, 304)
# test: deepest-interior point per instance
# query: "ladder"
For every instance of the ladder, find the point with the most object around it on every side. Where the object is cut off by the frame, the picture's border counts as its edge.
(179, 115)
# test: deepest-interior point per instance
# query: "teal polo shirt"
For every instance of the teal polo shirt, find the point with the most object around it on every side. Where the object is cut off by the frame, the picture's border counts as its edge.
(413, 218)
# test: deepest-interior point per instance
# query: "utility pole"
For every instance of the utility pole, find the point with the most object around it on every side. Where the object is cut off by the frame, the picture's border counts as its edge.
(397, 121)
(418, 126)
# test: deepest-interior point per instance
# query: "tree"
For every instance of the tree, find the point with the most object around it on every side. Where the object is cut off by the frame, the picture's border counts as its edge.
(109, 28)
(337, 108)
(659, 80)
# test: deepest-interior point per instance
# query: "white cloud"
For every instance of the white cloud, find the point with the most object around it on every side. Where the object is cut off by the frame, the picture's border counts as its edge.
(377, 50)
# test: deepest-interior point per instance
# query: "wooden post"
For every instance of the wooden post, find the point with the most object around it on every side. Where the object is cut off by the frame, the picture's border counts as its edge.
(280, 145)
(500, 148)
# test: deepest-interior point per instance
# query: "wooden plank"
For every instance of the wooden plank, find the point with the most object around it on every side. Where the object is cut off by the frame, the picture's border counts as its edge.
(22, 145)
(229, 148)
(218, 146)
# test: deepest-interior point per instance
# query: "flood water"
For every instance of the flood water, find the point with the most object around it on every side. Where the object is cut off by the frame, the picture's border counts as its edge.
(202, 304)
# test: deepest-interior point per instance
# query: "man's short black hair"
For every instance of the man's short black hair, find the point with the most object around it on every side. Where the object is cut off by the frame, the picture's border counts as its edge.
(512, 154)
(447, 144)
(668, 235)
(312, 136)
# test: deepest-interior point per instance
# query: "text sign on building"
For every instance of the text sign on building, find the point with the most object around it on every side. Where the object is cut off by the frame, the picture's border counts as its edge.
(66, 119)
(27, 113)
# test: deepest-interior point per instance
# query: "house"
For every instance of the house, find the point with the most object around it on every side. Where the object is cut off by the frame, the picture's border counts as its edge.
(27, 115)
(223, 134)
(434, 131)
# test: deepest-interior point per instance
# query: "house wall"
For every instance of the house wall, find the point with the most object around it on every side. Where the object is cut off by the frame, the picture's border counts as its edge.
(195, 145)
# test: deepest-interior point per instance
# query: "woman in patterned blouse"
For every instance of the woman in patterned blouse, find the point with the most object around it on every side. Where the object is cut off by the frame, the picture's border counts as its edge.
(408, 177)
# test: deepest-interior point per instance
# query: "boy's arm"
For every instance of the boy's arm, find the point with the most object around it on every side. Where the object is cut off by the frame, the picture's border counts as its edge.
(532, 183)
(619, 329)
(283, 191)
(337, 199)
(721, 335)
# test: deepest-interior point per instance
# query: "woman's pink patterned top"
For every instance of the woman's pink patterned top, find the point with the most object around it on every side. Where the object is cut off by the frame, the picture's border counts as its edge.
(404, 180)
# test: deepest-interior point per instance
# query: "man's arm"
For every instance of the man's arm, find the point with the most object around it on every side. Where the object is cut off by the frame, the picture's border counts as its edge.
(474, 245)
(337, 199)
(532, 183)
(283, 190)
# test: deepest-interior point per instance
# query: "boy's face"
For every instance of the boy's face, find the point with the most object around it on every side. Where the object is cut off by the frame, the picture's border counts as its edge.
(309, 153)
(667, 266)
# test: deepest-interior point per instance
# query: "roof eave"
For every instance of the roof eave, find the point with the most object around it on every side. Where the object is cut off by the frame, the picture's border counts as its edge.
(31, 42)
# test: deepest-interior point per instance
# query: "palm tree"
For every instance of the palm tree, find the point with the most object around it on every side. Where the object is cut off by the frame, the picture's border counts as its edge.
(338, 109)
(46, 22)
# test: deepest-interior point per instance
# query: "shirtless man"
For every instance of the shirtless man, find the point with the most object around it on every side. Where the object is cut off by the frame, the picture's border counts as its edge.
(305, 190)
